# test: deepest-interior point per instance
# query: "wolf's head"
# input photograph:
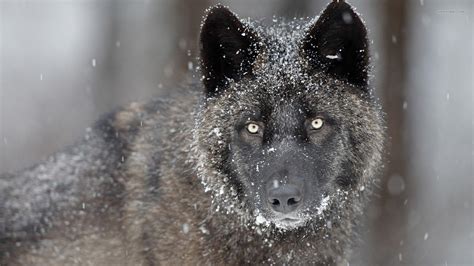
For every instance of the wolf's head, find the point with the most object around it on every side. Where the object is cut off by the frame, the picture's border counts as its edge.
(288, 129)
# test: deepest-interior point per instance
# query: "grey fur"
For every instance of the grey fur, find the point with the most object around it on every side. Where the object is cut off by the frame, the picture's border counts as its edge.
(147, 185)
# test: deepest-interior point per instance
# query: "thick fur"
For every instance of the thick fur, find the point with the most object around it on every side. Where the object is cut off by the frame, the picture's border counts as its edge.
(173, 182)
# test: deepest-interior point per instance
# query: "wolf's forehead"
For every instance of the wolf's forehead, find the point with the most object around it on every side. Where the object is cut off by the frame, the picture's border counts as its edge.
(281, 52)
(288, 115)
(284, 32)
(279, 106)
(274, 91)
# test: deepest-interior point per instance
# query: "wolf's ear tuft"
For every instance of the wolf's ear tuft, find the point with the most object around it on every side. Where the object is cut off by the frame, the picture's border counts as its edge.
(337, 44)
(228, 49)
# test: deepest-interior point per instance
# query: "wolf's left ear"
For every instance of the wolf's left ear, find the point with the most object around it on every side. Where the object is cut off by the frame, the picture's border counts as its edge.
(228, 49)
(337, 44)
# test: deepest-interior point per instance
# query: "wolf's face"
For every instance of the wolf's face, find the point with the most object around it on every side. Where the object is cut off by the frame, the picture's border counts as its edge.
(287, 120)
(287, 153)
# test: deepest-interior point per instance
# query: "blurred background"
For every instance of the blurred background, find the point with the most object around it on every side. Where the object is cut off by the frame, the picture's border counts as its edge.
(63, 63)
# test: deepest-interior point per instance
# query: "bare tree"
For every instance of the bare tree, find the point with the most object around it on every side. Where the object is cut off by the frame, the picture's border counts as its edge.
(388, 229)
(190, 15)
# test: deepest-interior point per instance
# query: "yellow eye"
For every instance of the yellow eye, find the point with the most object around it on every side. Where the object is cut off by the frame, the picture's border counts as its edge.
(317, 123)
(253, 128)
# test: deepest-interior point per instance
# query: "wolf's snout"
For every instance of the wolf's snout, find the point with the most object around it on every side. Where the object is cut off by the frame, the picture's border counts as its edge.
(285, 198)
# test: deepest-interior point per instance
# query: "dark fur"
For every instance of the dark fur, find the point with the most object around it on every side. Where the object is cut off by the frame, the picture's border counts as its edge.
(179, 182)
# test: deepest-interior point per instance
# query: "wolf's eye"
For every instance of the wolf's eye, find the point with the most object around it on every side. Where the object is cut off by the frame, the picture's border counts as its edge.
(317, 123)
(253, 128)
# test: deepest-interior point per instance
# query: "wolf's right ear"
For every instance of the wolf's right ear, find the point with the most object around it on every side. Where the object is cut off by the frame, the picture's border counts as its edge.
(337, 44)
(228, 49)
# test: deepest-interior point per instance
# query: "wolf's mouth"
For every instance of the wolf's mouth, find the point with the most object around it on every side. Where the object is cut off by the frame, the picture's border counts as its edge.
(288, 222)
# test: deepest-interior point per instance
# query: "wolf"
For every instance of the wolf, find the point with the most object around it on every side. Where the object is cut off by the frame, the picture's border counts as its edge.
(269, 160)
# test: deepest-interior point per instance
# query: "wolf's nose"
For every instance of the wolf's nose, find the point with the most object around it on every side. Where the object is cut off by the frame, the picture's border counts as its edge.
(284, 199)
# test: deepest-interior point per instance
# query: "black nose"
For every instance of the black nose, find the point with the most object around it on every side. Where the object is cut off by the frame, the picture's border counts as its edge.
(285, 198)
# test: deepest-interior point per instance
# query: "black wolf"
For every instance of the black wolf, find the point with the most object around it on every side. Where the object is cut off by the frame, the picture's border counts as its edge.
(270, 162)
